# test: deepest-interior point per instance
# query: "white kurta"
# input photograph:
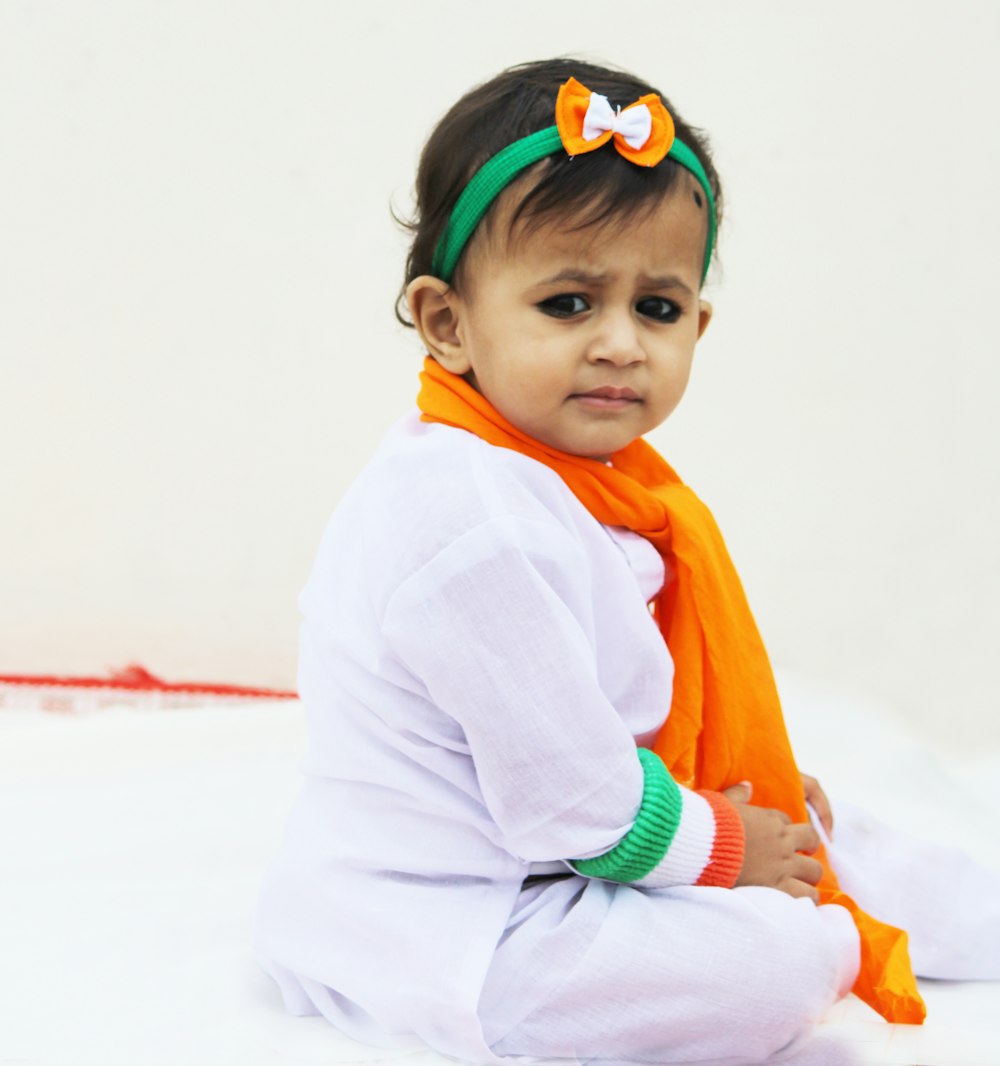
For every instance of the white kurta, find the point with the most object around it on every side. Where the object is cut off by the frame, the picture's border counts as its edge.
(478, 663)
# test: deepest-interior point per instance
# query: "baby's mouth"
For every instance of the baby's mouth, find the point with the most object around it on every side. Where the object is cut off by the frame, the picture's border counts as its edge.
(607, 397)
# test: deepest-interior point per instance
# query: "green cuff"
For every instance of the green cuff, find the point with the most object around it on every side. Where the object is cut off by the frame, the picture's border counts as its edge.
(642, 848)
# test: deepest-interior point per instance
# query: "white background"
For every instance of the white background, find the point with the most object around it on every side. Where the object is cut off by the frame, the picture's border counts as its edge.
(198, 349)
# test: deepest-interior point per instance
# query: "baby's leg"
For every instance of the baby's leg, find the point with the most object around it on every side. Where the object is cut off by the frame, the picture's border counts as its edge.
(948, 903)
(595, 971)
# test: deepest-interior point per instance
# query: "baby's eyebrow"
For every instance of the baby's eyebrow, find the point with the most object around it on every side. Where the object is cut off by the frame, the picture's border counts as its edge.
(666, 281)
(647, 281)
(575, 274)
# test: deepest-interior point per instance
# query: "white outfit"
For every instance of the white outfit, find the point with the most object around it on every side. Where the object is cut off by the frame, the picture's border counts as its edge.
(478, 663)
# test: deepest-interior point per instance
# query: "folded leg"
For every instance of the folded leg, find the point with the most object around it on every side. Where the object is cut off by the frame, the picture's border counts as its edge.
(592, 971)
(947, 902)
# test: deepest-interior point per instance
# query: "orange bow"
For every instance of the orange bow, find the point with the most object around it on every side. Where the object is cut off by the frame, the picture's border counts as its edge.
(643, 132)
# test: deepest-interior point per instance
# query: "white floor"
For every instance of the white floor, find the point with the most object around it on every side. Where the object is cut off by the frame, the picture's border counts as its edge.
(131, 843)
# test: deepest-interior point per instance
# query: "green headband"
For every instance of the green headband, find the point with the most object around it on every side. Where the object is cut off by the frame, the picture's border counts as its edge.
(500, 170)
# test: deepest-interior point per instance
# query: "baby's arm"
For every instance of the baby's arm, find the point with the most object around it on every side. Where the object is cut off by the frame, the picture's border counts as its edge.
(491, 629)
(750, 845)
(494, 628)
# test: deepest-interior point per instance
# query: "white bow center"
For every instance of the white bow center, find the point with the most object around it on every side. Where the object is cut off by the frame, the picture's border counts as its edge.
(633, 125)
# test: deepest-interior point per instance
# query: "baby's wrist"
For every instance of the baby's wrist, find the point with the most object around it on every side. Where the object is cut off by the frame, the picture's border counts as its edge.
(729, 846)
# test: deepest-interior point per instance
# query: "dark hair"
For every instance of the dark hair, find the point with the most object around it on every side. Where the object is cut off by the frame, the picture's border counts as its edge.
(592, 188)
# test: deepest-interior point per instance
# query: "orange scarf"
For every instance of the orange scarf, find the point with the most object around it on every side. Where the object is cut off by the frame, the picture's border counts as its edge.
(725, 723)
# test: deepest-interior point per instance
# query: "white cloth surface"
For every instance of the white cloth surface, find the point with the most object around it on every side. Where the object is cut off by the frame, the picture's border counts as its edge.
(477, 664)
(132, 846)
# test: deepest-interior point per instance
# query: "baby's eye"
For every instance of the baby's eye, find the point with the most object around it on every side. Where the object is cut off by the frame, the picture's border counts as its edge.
(565, 305)
(659, 308)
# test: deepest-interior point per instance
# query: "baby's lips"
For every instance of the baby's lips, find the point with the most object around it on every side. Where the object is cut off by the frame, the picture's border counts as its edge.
(611, 392)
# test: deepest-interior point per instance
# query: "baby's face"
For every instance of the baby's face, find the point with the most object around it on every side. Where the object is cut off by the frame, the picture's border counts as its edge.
(584, 339)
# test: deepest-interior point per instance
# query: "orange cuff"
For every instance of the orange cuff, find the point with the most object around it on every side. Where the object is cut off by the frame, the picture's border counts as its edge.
(726, 861)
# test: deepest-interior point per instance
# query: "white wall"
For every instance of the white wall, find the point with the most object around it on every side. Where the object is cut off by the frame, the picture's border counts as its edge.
(198, 349)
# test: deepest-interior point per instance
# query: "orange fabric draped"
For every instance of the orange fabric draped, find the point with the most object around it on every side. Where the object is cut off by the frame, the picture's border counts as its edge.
(725, 723)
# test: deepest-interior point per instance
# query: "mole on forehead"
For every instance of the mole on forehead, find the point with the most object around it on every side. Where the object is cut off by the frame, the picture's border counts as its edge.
(693, 187)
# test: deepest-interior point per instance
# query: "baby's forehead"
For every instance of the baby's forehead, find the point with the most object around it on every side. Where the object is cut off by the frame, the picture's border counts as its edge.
(660, 237)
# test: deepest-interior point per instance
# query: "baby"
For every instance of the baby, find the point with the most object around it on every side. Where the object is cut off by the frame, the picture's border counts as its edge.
(539, 707)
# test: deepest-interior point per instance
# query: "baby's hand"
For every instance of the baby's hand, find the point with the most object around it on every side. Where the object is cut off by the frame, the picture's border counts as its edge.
(773, 856)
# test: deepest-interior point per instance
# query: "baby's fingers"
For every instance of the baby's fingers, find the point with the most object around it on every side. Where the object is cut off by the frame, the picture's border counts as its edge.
(801, 890)
(804, 837)
(806, 869)
(803, 877)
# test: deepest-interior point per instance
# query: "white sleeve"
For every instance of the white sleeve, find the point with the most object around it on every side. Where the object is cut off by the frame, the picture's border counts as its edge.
(495, 628)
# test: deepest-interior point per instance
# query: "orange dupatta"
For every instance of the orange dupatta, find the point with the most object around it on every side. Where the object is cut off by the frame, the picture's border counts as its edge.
(725, 723)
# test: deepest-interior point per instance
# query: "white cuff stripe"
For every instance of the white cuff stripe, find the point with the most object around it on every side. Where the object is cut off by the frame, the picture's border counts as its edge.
(690, 850)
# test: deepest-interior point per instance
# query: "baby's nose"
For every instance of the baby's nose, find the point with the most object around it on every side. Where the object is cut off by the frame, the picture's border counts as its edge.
(616, 341)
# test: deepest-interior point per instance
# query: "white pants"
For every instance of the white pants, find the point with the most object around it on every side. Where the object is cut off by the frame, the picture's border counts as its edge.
(595, 972)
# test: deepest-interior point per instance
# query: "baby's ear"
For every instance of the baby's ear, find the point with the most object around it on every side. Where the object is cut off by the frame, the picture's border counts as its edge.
(704, 317)
(434, 308)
